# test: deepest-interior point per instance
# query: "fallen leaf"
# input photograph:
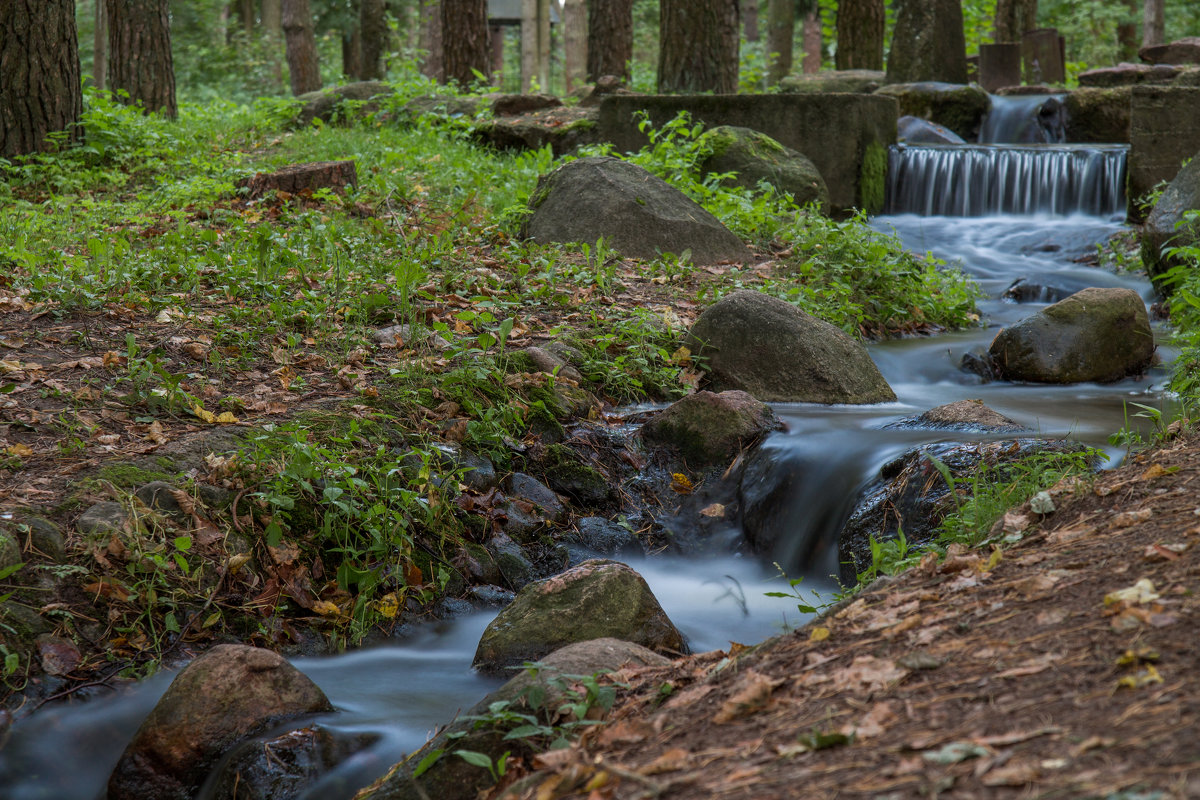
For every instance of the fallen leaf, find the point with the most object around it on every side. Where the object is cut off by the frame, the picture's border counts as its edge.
(1129, 518)
(19, 450)
(876, 720)
(956, 752)
(1140, 593)
(753, 696)
(156, 434)
(388, 605)
(869, 673)
(672, 760)
(1164, 552)
(818, 634)
(1012, 774)
(1144, 677)
(680, 484)
(714, 511)
(326, 608)
(1154, 471)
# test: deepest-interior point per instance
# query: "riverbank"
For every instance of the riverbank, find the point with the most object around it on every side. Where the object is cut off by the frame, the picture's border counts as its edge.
(1061, 666)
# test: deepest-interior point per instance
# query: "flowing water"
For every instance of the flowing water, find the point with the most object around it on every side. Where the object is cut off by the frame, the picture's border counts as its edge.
(1022, 230)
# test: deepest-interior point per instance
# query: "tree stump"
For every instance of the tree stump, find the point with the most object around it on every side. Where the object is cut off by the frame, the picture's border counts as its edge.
(335, 175)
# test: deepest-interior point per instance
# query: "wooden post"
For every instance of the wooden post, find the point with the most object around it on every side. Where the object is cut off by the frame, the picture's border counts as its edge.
(999, 65)
(1043, 53)
(535, 44)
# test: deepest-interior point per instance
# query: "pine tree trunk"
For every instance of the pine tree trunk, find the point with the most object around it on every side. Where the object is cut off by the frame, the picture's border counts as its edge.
(609, 39)
(372, 23)
(40, 82)
(465, 49)
(272, 20)
(304, 69)
(139, 54)
(1152, 23)
(100, 47)
(575, 54)
(430, 43)
(1014, 18)
(698, 46)
(1127, 30)
(781, 27)
(812, 42)
(860, 26)
(352, 52)
(248, 17)
(749, 12)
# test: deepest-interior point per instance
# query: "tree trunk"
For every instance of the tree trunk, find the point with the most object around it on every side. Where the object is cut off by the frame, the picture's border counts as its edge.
(304, 69)
(781, 29)
(430, 43)
(749, 12)
(248, 16)
(1152, 23)
(698, 46)
(465, 49)
(535, 44)
(139, 54)
(610, 39)
(40, 82)
(100, 47)
(860, 25)
(372, 23)
(575, 42)
(352, 52)
(1014, 18)
(928, 43)
(272, 20)
(1127, 30)
(812, 42)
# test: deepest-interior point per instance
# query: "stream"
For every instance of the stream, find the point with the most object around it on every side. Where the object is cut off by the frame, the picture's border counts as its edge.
(400, 693)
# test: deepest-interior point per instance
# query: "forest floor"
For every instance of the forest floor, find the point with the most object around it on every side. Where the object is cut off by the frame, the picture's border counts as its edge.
(1063, 666)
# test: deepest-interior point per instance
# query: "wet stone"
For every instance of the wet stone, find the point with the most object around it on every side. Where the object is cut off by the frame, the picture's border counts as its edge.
(103, 518)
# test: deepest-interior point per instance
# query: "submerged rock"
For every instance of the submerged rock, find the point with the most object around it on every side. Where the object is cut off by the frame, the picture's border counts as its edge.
(637, 214)
(709, 429)
(754, 157)
(969, 416)
(283, 766)
(228, 693)
(778, 353)
(593, 600)
(956, 106)
(1094, 335)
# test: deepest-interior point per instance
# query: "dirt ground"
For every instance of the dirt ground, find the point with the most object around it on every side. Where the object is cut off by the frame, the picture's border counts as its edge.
(1064, 666)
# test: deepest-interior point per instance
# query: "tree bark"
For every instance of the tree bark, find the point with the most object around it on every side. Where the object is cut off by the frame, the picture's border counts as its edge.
(139, 54)
(860, 25)
(100, 47)
(1152, 23)
(1127, 30)
(1014, 18)
(781, 29)
(352, 52)
(610, 39)
(749, 12)
(248, 15)
(40, 82)
(304, 69)
(430, 43)
(372, 23)
(698, 46)
(575, 43)
(465, 49)
(272, 20)
(812, 42)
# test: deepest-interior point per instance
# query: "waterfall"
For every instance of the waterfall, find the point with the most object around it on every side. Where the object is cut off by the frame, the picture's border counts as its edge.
(977, 180)
(1025, 119)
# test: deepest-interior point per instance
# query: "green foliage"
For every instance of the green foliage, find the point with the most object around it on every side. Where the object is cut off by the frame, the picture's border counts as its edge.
(1183, 283)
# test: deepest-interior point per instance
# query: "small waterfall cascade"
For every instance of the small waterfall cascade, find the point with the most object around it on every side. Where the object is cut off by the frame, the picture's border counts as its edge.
(1025, 119)
(979, 180)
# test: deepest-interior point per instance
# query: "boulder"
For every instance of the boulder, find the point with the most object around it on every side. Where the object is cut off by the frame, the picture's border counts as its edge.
(596, 599)
(1126, 74)
(844, 81)
(754, 157)
(512, 105)
(513, 567)
(160, 496)
(914, 130)
(10, 550)
(327, 104)
(1180, 51)
(47, 538)
(968, 416)
(597, 536)
(928, 44)
(539, 693)
(1093, 335)
(225, 695)
(1098, 115)
(911, 495)
(957, 107)
(568, 473)
(448, 105)
(551, 363)
(1189, 77)
(563, 128)
(283, 766)
(709, 429)
(605, 86)
(638, 214)
(1168, 226)
(103, 519)
(777, 353)
(531, 490)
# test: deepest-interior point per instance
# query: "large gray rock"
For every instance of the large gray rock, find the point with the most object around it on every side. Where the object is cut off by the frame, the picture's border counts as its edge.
(852, 81)
(563, 128)
(449, 777)
(1093, 335)
(968, 416)
(596, 599)
(1098, 115)
(638, 214)
(778, 353)
(755, 157)
(1126, 74)
(1168, 226)
(956, 106)
(1180, 51)
(709, 429)
(1164, 131)
(327, 104)
(928, 43)
(230, 692)
(10, 550)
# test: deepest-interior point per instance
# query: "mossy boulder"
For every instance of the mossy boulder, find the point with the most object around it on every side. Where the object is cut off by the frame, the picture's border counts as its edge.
(778, 353)
(845, 81)
(1168, 224)
(567, 473)
(638, 214)
(1094, 335)
(10, 550)
(327, 104)
(958, 107)
(709, 429)
(754, 157)
(596, 599)
(448, 105)
(1099, 116)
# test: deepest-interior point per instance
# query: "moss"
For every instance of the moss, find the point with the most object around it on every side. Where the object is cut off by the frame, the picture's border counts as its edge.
(126, 475)
(872, 178)
(566, 472)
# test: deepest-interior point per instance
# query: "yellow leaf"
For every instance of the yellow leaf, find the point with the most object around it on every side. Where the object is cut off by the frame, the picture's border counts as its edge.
(1141, 592)
(993, 560)
(818, 635)
(326, 608)
(19, 450)
(389, 605)
(1144, 677)
(681, 357)
(226, 418)
(680, 483)
(200, 412)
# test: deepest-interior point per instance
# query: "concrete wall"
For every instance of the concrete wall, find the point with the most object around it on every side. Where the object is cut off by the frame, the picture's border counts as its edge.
(845, 135)
(1164, 131)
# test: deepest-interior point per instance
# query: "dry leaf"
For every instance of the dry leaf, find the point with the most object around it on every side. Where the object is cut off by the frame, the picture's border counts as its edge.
(156, 434)
(875, 722)
(326, 608)
(869, 673)
(1140, 593)
(714, 511)
(753, 696)
(672, 760)
(1127, 518)
(818, 634)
